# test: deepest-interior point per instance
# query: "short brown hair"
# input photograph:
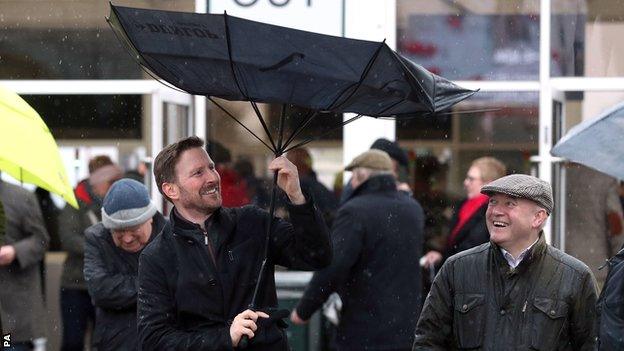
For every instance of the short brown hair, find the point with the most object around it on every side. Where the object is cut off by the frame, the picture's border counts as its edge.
(167, 159)
(98, 162)
(490, 168)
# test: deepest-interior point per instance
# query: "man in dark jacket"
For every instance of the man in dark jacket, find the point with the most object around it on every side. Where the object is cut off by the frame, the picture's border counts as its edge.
(76, 308)
(399, 167)
(515, 292)
(197, 278)
(129, 222)
(23, 248)
(377, 240)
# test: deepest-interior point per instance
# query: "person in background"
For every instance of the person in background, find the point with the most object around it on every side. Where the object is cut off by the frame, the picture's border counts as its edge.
(77, 310)
(140, 173)
(323, 197)
(399, 167)
(377, 239)
(593, 228)
(257, 188)
(468, 224)
(23, 242)
(129, 222)
(233, 186)
(50, 213)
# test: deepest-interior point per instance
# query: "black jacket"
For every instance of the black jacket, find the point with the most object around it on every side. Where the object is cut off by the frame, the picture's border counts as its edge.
(473, 233)
(187, 301)
(110, 274)
(611, 307)
(478, 302)
(377, 240)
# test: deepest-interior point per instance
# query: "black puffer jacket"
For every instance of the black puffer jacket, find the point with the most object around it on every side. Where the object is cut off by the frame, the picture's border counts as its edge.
(477, 302)
(111, 278)
(187, 300)
(377, 238)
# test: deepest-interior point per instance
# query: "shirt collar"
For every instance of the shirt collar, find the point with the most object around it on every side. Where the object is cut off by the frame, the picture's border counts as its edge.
(514, 262)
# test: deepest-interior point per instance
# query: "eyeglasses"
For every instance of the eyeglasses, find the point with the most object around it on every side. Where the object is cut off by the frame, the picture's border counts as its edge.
(472, 179)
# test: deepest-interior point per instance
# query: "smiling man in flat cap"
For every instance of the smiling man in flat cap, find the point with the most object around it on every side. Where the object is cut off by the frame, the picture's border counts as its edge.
(515, 292)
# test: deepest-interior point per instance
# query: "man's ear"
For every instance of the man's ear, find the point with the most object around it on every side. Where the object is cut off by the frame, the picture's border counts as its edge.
(171, 190)
(539, 218)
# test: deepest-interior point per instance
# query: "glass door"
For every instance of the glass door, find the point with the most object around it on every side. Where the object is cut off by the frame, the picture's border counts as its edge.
(172, 119)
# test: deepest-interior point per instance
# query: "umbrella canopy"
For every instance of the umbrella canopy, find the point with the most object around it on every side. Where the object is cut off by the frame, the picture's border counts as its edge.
(239, 59)
(597, 143)
(28, 151)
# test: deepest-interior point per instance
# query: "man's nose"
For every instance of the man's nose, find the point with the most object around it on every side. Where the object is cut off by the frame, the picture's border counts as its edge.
(496, 210)
(212, 175)
(127, 239)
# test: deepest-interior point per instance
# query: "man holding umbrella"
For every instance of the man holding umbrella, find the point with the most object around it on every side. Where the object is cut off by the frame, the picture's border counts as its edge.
(197, 278)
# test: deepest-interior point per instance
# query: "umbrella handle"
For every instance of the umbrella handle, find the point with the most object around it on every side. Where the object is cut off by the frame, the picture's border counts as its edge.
(243, 343)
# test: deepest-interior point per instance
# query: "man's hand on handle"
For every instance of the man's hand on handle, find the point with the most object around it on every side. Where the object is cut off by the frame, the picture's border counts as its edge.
(288, 179)
(245, 324)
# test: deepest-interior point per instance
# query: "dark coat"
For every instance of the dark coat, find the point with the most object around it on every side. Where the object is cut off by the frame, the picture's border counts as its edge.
(473, 233)
(23, 314)
(610, 307)
(72, 225)
(377, 241)
(478, 302)
(111, 277)
(187, 301)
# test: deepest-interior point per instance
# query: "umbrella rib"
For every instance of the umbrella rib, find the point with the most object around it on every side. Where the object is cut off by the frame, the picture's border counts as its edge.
(420, 85)
(280, 134)
(300, 128)
(239, 122)
(229, 49)
(324, 133)
(435, 114)
(332, 129)
(239, 84)
(263, 123)
(365, 72)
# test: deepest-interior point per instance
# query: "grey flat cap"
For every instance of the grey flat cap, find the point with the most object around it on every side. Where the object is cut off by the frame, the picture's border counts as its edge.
(523, 186)
(373, 159)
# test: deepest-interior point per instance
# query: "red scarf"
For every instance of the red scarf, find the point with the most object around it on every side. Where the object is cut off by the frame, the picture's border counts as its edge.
(466, 211)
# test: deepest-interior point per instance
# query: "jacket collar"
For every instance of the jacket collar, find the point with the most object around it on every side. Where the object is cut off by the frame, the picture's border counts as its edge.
(374, 184)
(221, 220)
(533, 255)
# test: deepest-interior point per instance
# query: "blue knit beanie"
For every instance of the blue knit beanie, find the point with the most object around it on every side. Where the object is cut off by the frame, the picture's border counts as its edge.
(127, 204)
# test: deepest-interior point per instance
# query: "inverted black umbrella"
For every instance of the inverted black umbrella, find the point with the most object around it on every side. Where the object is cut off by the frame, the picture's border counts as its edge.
(597, 143)
(241, 60)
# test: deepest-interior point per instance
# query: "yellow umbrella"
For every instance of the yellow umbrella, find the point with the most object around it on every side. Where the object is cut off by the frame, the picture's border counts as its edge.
(28, 151)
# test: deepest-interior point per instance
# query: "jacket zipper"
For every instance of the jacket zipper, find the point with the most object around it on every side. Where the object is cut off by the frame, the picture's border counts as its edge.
(209, 246)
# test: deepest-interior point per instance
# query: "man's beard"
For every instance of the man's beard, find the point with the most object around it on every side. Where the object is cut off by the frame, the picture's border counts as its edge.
(196, 202)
